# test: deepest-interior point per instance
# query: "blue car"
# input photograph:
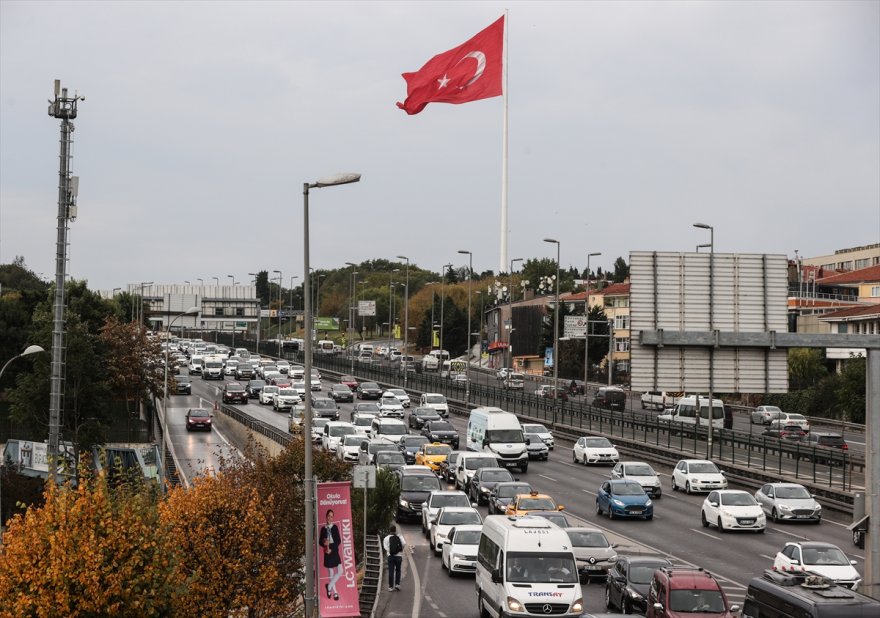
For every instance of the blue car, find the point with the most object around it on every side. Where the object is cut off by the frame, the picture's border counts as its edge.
(624, 498)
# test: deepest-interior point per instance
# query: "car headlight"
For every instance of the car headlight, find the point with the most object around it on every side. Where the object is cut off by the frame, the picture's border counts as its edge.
(458, 557)
(633, 594)
(484, 490)
(617, 502)
(612, 559)
(784, 507)
(818, 507)
(404, 504)
(514, 605)
(578, 606)
(648, 503)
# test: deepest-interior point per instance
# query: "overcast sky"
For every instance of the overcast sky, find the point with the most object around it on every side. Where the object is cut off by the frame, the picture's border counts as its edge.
(629, 121)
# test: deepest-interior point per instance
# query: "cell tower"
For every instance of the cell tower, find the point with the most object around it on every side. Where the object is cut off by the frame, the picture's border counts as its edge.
(63, 108)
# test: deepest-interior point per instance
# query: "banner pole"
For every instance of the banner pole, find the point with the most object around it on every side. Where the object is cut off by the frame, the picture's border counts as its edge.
(502, 263)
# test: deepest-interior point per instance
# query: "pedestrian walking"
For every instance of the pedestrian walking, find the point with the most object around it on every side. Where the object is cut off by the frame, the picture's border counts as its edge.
(393, 545)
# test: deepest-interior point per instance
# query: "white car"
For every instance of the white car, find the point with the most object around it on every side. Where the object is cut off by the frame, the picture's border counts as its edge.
(285, 399)
(334, 433)
(733, 509)
(349, 448)
(283, 366)
(438, 500)
(541, 431)
(229, 368)
(316, 382)
(594, 450)
(764, 415)
(787, 418)
(459, 551)
(390, 406)
(502, 373)
(436, 401)
(268, 394)
(822, 558)
(400, 394)
(362, 423)
(300, 387)
(697, 475)
(641, 473)
(448, 518)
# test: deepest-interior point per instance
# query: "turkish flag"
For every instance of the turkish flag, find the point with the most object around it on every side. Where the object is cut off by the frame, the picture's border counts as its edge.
(470, 72)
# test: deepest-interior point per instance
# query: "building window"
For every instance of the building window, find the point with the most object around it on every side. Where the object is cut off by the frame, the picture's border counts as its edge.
(621, 321)
(239, 311)
(218, 310)
(621, 345)
(862, 263)
(875, 290)
(841, 327)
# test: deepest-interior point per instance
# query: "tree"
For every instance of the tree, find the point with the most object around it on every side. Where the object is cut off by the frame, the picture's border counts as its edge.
(850, 390)
(805, 368)
(262, 285)
(621, 270)
(134, 362)
(92, 550)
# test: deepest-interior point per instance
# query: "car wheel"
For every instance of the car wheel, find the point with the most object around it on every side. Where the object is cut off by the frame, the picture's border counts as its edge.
(625, 607)
(774, 516)
(720, 525)
(610, 512)
(703, 519)
(585, 459)
(574, 457)
(608, 604)
(598, 508)
(481, 609)
(524, 468)
(674, 486)
(687, 487)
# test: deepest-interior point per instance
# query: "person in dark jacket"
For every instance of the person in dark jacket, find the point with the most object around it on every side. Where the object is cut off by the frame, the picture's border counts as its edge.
(330, 540)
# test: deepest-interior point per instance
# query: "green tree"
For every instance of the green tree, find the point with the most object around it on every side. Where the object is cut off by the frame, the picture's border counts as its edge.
(621, 270)
(806, 368)
(850, 390)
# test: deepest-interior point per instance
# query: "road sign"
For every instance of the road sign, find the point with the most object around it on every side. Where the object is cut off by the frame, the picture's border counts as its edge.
(366, 307)
(364, 477)
(575, 326)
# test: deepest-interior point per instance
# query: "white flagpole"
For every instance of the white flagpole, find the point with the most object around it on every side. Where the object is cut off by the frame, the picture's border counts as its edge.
(502, 264)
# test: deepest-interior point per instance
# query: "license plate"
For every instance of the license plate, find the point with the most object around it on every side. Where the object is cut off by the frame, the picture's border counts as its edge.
(593, 567)
(511, 464)
(802, 517)
(747, 522)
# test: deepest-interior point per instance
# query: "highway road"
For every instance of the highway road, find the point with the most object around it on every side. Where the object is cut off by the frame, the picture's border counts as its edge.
(675, 531)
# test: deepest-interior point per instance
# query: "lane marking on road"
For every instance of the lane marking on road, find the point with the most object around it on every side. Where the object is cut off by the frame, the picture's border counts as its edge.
(417, 602)
(549, 478)
(797, 536)
(771, 558)
(711, 536)
(593, 493)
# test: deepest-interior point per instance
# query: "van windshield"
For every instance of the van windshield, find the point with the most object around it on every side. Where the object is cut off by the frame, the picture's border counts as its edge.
(696, 601)
(392, 430)
(504, 435)
(337, 431)
(540, 568)
(475, 463)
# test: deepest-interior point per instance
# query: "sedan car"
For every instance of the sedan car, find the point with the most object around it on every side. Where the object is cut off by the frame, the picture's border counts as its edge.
(254, 388)
(389, 460)
(409, 445)
(449, 517)
(697, 475)
(350, 381)
(441, 431)
(244, 371)
(788, 502)
(419, 416)
(822, 558)
(594, 450)
(390, 407)
(432, 455)
(764, 415)
(401, 395)
(340, 392)
(365, 408)
(641, 473)
(324, 407)
(459, 550)
(268, 393)
(182, 385)
(594, 555)
(555, 516)
(623, 498)
(521, 504)
(543, 432)
(198, 418)
(536, 447)
(628, 582)
(792, 433)
(484, 481)
(233, 392)
(369, 390)
(503, 493)
(732, 509)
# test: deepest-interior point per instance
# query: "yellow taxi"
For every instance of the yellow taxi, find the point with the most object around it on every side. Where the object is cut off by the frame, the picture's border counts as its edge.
(522, 504)
(432, 455)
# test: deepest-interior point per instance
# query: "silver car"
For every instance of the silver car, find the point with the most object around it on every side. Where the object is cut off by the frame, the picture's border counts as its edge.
(641, 473)
(764, 415)
(594, 555)
(788, 502)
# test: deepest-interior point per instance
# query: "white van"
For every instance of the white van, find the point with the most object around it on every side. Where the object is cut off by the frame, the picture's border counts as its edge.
(526, 567)
(498, 433)
(196, 363)
(391, 429)
(685, 412)
(213, 368)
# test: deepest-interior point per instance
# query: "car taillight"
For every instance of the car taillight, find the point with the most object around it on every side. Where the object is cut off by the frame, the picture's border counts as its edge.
(845, 447)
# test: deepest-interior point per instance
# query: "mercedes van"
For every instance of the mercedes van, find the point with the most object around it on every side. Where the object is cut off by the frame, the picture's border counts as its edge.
(498, 433)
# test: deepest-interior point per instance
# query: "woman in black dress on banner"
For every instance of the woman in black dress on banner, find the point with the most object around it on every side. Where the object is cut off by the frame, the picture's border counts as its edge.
(330, 540)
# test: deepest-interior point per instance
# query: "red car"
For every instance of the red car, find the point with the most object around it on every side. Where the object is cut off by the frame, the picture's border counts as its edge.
(233, 392)
(198, 418)
(350, 381)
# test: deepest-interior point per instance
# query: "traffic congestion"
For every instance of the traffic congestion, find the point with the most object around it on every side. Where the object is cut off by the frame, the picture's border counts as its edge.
(520, 522)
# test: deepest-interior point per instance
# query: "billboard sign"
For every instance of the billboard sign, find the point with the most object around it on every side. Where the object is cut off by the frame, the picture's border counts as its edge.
(337, 572)
(326, 323)
(366, 308)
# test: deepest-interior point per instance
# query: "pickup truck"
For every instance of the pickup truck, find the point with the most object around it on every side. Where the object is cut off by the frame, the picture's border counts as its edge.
(660, 400)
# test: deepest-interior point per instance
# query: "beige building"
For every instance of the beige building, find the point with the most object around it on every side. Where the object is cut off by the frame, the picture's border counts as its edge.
(614, 300)
(853, 258)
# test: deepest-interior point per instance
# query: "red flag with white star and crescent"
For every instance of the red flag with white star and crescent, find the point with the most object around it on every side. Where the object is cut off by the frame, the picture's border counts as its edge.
(469, 72)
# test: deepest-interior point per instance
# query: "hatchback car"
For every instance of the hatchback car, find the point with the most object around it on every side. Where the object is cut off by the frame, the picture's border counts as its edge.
(419, 416)
(697, 475)
(441, 431)
(540, 430)
(449, 517)
(183, 385)
(349, 447)
(390, 407)
(233, 392)
(401, 395)
(350, 381)
(788, 502)
(826, 439)
(594, 555)
(623, 498)
(557, 517)
(324, 407)
(254, 388)
(594, 450)
(409, 445)
(438, 500)
(459, 550)
(822, 558)
(484, 481)
(626, 588)
(641, 473)
(732, 509)
(340, 392)
(198, 418)
(267, 394)
(368, 390)
(536, 447)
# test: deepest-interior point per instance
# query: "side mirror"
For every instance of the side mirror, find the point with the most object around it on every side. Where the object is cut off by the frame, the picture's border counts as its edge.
(447, 542)
(715, 504)
(734, 609)
(614, 546)
(560, 508)
(474, 504)
(496, 577)
(853, 562)
(658, 607)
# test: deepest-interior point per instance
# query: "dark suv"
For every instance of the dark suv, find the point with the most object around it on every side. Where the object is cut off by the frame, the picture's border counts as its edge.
(628, 581)
(368, 390)
(678, 592)
(610, 398)
(415, 487)
(233, 392)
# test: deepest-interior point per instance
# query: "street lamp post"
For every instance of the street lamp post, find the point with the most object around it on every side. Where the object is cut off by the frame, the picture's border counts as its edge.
(291, 317)
(390, 309)
(510, 311)
(31, 349)
(140, 309)
(351, 326)
(278, 334)
(587, 324)
(480, 336)
(162, 475)
(711, 229)
(259, 313)
(405, 322)
(339, 179)
(216, 281)
(233, 317)
(467, 356)
(442, 303)
(555, 333)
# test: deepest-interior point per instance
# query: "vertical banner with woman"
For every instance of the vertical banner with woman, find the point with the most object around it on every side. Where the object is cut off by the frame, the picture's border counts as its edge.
(336, 568)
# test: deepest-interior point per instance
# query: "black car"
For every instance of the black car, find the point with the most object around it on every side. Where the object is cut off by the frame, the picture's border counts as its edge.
(244, 371)
(389, 460)
(447, 467)
(415, 487)
(419, 416)
(183, 385)
(503, 493)
(557, 517)
(233, 392)
(340, 392)
(441, 431)
(324, 407)
(410, 445)
(610, 398)
(484, 481)
(368, 390)
(254, 388)
(629, 580)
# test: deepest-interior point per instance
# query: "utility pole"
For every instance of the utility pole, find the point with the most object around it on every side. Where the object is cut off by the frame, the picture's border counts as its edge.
(64, 108)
